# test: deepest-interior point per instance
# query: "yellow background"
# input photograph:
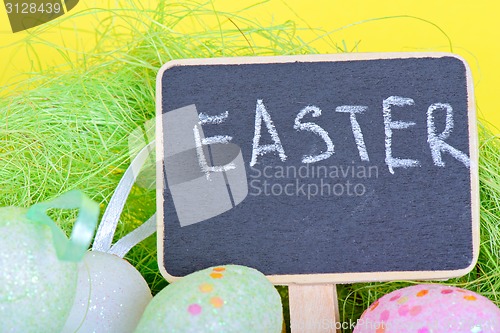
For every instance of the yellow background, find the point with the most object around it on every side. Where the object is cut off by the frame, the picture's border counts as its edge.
(472, 27)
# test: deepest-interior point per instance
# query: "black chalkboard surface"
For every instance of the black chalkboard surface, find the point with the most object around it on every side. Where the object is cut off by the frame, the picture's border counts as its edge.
(318, 169)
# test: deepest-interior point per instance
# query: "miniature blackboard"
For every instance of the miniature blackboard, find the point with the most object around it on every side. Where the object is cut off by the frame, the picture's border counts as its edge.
(318, 169)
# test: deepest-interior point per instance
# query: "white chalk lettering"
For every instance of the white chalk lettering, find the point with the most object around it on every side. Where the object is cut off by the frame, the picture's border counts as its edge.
(312, 127)
(436, 142)
(217, 119)
(216, 139)
(356, 129)
(262, 114)
(202, 160)
(393, 162)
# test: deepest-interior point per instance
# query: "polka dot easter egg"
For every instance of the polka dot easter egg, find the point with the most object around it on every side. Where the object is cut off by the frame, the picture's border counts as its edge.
(36, 288)
(431, 308)
(219, 299)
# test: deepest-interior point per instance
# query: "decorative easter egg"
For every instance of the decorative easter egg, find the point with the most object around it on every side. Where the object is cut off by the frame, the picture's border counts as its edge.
(219, 299)
(36, 288)
(111, 296)
(431, 308)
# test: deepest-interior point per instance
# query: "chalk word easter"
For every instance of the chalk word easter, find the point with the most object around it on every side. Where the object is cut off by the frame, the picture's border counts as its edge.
(436, 141)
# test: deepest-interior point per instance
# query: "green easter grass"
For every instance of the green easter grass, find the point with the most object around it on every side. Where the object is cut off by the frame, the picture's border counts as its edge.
(68, 129)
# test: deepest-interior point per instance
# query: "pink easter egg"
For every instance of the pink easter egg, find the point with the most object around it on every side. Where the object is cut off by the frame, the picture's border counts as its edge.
(430, 308)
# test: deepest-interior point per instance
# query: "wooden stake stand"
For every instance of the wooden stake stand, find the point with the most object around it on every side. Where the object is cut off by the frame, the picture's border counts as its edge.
(314, 308)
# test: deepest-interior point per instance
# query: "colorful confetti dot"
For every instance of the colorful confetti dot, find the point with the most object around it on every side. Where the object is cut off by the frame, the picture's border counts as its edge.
(393, 298)
(217, 302)
(404, 310)
(415, 310)
(384, 315)
(470, 298)
(206, 287)
(403, 300)
(216, 275)
(446, 291)
(194, 309)
(422, 293)
(381, 329)
(219, 269)
(374, 305)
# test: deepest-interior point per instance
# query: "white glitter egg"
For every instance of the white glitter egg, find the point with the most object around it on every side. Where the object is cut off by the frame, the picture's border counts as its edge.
(36, 288)
(219, 299)
(111, 296)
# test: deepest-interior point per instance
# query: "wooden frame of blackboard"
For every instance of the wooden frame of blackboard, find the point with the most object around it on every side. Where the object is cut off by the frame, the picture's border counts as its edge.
(334, 278)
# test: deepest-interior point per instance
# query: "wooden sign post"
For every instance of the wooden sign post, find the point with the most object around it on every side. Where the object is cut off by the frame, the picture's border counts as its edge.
(318, 170)
(314, 308)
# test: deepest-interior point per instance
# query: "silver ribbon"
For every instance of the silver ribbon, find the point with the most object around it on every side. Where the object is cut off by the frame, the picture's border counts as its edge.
(107, 227)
